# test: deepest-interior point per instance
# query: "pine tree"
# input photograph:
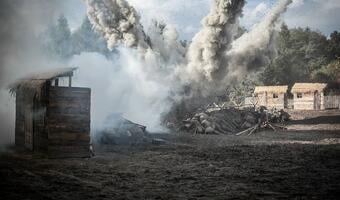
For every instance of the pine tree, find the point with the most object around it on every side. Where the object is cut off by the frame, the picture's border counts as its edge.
(85, 39)
(57, 40)
(62, 39)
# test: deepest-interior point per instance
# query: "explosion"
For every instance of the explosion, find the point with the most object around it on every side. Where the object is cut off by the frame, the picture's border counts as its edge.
(206, 54)
(118, 22)
(215, 57)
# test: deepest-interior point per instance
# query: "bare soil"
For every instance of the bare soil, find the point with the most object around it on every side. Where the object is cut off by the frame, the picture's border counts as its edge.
(314, 120)
(266, 165)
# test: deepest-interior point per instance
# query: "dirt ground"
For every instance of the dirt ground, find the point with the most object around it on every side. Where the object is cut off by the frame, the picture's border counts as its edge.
(267, 165)
(315, 120)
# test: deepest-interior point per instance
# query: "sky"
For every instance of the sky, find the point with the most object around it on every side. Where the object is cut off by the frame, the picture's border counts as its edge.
(321, 15)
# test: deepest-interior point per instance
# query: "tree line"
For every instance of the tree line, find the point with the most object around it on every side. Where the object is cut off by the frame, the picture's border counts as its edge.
(303, 55)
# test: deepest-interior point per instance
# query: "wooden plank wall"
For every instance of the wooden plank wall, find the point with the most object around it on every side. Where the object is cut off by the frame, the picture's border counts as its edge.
(68, 122)
(19, 120)
(304, 103)
(267, 100)
(37, 112)
(39, 121)
(262, 99)
(278, 103)
(28, 127)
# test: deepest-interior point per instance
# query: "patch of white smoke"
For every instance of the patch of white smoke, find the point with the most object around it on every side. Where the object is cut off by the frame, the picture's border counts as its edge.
(121, 86)
(250, 51)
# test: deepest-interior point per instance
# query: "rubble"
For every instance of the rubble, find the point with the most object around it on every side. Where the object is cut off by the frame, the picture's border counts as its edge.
(158, 141)
(234, 121)
(119, 130)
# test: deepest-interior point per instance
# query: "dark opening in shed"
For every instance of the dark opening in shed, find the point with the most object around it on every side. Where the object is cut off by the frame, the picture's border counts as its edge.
(52, 116)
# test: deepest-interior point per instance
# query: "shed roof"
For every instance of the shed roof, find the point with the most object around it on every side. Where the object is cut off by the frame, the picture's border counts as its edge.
(308, 87)
(34, 82)
(276, 89)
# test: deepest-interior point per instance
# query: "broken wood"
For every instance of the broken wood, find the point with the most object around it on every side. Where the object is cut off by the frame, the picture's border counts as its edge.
(234, 121)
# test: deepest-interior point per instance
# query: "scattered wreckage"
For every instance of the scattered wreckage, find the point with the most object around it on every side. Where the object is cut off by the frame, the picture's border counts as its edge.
(120, 131)
(232, 121)
(223, 121)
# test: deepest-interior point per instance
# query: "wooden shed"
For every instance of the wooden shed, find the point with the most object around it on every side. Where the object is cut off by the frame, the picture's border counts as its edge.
(271, 96)
(309, 96)
(52, 116)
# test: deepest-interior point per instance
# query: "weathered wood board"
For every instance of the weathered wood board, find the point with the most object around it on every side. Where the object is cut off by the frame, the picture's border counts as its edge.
(68, 122)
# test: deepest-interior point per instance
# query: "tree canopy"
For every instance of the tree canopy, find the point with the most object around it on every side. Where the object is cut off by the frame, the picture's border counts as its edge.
(303, 55)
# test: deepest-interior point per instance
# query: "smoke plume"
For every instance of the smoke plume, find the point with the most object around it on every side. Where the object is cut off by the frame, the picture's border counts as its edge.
(159, 51)
(252, 49)
(118, 22)
(206, 52)
(165, 41)
(213, 53)
(214, 59)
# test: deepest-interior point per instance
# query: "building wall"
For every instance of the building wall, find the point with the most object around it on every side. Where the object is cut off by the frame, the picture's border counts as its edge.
(278, 103)
(39, 121)
(304, 103)
(262, 99)
(266, 99)
(19, 120)
(68, 122)
(24, 130)
(30, 113)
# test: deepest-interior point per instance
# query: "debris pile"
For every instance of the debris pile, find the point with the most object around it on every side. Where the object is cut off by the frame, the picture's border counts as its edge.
(119, 130)
(234, 121)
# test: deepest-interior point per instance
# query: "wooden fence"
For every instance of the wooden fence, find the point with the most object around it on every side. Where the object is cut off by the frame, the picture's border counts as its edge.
(332, 102)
